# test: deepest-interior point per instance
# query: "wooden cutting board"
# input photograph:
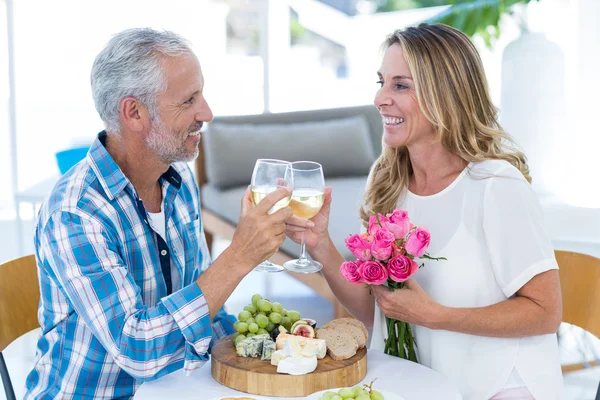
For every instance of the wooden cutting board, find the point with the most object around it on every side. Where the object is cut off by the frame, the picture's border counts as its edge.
(255, 376)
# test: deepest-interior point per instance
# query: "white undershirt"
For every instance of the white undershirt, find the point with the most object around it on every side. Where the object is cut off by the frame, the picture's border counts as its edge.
(159, 223)
(489, 225)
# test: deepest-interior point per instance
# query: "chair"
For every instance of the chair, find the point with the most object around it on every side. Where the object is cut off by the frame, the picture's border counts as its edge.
(19, 298)
(580, 285)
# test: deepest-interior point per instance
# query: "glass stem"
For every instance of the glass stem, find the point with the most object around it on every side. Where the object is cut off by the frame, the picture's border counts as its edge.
(303, 259)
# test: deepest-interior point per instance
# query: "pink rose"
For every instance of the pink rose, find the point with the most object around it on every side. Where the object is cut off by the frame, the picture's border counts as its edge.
(401, 268)
(398, 223)
(373, 273)
(397, 250)
(359, 246)
(381, 248)
(351, 271)
(417, 242)
(374, 225)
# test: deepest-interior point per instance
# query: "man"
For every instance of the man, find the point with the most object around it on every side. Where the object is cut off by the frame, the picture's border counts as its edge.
(126, 295)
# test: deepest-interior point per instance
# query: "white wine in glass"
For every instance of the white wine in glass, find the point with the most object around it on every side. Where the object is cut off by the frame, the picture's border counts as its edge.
(307, 199)
(268, 176)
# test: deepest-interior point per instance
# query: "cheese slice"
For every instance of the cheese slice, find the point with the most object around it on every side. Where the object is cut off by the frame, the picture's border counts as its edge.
(308, 346)
(293, 346)
(297, 365)
(277, 356)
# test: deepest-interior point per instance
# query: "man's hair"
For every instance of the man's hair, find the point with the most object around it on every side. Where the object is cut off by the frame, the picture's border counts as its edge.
(129, 65)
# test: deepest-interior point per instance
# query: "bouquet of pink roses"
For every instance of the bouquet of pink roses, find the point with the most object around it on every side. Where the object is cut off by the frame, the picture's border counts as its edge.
(386, 256)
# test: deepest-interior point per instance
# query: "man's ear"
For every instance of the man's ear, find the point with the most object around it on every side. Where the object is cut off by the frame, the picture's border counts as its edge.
(134, 115)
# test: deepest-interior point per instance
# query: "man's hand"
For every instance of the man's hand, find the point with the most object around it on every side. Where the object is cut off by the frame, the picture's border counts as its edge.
(258, 234)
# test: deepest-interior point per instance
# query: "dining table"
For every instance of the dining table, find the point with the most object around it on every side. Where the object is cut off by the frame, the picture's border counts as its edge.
(409, 380)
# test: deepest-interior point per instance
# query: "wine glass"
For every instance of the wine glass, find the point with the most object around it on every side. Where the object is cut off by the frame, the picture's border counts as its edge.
(307, 199)
(268, 176)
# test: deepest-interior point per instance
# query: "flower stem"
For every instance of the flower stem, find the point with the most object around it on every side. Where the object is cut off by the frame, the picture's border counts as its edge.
(412, 355)
(401, 341)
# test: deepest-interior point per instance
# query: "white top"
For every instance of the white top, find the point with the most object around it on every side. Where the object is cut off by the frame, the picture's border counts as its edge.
(158, 222)
(489, 225)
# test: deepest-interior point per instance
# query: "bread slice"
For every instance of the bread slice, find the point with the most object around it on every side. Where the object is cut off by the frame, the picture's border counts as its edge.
(340, 344)
(354, 322)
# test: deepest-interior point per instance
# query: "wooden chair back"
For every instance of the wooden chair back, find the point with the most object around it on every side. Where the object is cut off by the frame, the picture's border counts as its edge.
(580, 285)
(19, 299)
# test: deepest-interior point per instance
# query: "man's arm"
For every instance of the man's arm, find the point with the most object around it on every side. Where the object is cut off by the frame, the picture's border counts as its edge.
(142, 340)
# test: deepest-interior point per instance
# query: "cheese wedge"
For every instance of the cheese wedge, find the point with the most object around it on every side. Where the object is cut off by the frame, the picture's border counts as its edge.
(307, 346)
(297, 365)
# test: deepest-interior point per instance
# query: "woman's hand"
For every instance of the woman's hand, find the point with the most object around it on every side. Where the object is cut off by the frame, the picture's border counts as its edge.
(409, 304)
(315, 229)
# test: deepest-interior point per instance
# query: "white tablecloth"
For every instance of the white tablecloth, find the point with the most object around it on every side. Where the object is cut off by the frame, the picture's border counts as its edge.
(407, 379)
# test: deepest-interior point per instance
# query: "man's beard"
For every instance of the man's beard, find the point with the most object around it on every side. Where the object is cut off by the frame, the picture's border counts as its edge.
(168, 145)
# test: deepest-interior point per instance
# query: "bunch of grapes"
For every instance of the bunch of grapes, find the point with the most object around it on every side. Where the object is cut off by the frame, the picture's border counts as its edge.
(355, 393)
(263, 317)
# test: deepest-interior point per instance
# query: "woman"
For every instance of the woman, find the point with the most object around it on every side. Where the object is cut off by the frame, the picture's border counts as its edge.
(486, 318)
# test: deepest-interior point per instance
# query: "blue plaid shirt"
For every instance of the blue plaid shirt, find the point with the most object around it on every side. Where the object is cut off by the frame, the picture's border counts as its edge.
(108, 322)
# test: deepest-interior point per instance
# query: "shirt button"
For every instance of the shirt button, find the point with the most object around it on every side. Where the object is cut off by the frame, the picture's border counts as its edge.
(163, 252)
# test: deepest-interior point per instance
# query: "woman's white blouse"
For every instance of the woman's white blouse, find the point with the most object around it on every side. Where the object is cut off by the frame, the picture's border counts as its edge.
(489, 225)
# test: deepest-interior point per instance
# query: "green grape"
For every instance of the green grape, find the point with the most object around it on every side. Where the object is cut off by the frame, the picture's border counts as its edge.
(264, 305)
(294, 315)
(327, 396)
(336, 397)
(241, 327)
(262, 321)
(250, 335)
(255, 299)
(250, 308)
(270, 327)
(357, 390)
(253, 328)
(364, 396)
(283, 312)
(375, 395)
(250, 321)
(286, 322)
(262, 331)
(275, 317)
(277, 307)
(244, 315)
(346, 393)
(239, 338)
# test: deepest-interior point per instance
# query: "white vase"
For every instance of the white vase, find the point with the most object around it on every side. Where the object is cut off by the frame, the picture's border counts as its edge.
(533, 104)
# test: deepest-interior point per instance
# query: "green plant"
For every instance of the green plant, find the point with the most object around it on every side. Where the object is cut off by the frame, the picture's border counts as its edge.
(478, 17)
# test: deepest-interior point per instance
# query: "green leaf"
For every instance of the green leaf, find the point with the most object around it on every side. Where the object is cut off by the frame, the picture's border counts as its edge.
(378, 220)
(428, 257)
(477, 17)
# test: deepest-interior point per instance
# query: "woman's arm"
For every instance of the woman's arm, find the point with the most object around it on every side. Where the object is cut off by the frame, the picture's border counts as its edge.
(536, 309)
(356, 298)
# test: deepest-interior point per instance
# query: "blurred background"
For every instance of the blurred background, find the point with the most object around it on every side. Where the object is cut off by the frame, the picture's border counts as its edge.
(267, 56)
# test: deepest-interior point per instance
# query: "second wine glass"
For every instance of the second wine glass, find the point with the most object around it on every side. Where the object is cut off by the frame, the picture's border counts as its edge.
(307, 199)
(268, 176)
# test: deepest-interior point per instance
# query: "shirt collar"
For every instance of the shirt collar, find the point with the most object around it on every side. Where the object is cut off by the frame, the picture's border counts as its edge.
(112, 179)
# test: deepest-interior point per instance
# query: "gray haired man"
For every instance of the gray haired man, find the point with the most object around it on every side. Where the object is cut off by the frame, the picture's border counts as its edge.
(127, 294)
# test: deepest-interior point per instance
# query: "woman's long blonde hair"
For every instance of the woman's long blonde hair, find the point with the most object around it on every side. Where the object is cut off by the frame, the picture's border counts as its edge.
(452, 92)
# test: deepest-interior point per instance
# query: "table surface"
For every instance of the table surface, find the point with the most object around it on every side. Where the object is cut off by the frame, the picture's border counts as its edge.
(409, 380)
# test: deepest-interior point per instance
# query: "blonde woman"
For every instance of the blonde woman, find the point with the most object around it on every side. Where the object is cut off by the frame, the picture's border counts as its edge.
(486, 318)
